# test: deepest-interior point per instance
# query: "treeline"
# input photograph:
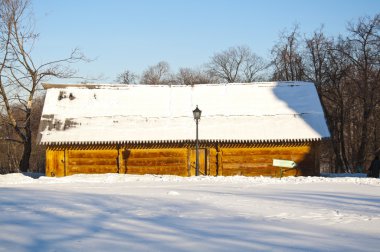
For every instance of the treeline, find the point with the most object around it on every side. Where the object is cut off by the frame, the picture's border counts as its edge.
(345, 69)
(236, 64)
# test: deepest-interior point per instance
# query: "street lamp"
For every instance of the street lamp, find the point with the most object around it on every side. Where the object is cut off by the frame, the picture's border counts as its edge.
(197, 116)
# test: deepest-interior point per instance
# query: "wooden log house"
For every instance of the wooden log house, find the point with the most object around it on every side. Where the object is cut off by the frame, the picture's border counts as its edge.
(149, 129)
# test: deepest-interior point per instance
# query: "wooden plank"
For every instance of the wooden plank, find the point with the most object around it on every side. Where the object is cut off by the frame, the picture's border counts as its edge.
(219, 156)
(90, 171)
(265, 151)
(120, 162)
(66, 163)
(92, 154)
(212, 162)
(253, 169)
(94, 161)
(75, 169)
(159, 161)
(207, 161)
(261, 158)
(264, 171)
(175, 170)
(245, 165)
(245, 173)
(146, 153)
(55, 163)
(49, 164)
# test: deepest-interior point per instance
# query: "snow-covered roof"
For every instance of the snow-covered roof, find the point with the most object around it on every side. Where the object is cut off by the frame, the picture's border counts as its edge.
(260, 112)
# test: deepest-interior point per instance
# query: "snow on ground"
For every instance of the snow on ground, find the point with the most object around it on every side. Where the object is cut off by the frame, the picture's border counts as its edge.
(114, 212)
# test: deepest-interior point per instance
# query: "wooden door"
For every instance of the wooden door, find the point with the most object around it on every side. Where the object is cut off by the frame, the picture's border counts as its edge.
(203, 162)
(55, 163)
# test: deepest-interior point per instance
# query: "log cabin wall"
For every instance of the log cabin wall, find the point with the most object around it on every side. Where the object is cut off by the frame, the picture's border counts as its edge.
(179, 159)
(92, 161)
(70, 160)
(155, 161)
(258, 161)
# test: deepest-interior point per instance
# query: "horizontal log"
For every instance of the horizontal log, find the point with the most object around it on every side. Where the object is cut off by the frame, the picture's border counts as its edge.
(156, 153)
(251, 174)
(175, 167)
(245, 165)
(160, 159)
(252, 169)
(92, 168)
(92, 154)
(262, 158)
(92, 161)
(266, 151)
(264, 171)
(156, 162)
(181, 171)
(89, 171)
(258, 168)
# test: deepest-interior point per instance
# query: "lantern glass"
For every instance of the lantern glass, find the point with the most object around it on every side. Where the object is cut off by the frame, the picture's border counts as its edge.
(197, 113)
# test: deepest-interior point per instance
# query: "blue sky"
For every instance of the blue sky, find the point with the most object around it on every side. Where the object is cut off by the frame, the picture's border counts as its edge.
(126, 34)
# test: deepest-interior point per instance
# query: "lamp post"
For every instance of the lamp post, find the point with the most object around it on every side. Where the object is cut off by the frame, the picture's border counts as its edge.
(197, 116)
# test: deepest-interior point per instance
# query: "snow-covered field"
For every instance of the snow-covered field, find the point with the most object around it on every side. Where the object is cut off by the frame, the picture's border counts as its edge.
(166, 213)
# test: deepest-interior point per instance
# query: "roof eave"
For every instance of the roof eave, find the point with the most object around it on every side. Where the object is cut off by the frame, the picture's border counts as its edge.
(204, 141)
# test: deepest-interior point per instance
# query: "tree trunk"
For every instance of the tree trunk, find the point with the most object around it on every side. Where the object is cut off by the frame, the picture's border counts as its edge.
(363, 139)
(24, 163)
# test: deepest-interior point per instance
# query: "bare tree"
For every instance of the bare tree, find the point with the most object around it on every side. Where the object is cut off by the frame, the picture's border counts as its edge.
(286, 57)
(187, 76)
(253, 68)
(347, 75)
(316, 58)
(327, 69)
(236, 64)
(19, 75)
(127, 77)
(362, 49)
(158, 74)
